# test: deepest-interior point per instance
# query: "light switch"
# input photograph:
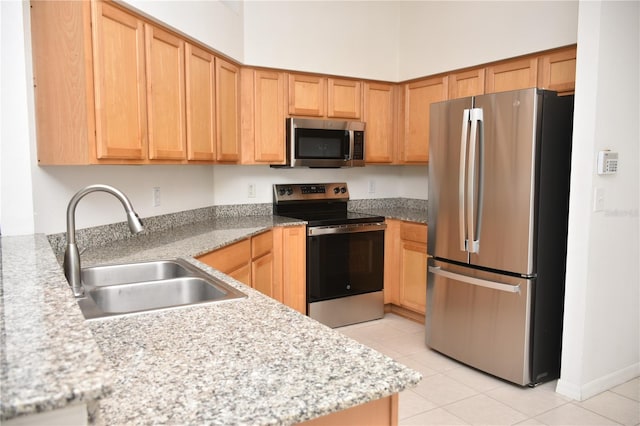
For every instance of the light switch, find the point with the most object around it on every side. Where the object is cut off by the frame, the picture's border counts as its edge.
(598, 199)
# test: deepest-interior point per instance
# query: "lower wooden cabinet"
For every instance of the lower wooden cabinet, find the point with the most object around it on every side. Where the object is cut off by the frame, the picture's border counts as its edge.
(249, 261)
(290, 262)
(405, 280)
(272, 262)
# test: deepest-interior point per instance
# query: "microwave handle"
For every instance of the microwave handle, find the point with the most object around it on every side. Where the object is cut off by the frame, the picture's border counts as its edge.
(347, 157)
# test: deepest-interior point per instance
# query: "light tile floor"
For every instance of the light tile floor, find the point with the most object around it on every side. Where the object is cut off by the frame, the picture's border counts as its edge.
(451, 393)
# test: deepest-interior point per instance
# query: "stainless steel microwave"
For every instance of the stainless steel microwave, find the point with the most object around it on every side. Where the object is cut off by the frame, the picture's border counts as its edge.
(324, 143)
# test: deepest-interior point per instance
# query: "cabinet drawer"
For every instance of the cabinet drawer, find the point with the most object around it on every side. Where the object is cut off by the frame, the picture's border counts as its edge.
(229, 258)
(414, 232)
(261, 244)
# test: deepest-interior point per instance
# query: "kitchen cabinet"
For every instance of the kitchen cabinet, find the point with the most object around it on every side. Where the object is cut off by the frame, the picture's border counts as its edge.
(200, 99)
(273, 262)
(263, 116)
(250, 261)
(227, 112)
(262, 263)
(557, 70)
(512, 75)
(233, 260)
(392, 262)
(466, 83)
(327, 97)
(380, 113)
(290, 266)
(418, 97)
(166, 118)
(413, 266)
(405, 278)
(112, 87)
(119, 78)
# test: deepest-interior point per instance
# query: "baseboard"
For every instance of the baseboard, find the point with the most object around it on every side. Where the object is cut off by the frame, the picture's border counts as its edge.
(404, 312)
(598, 385)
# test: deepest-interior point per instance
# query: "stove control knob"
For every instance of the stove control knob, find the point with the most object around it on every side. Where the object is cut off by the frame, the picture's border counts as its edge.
(281, 191)
(289, 191)
(336, 190)
(343, 189)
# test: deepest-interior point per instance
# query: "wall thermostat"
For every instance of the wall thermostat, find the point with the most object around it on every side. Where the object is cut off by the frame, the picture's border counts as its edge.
(607, 162)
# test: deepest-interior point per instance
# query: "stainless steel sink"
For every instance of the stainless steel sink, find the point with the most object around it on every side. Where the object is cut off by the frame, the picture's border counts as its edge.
(112, 290)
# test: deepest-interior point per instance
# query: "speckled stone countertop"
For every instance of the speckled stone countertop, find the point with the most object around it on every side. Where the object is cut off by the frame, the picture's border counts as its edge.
(48, 357)
(247, 361)
(400, 213)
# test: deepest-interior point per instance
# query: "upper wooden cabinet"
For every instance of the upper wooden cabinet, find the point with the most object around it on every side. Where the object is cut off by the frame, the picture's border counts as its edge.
(227, 111)
(512, 75)
(166, 117)
(318, 96)
(119, 75)
(466, 83)
(201, 101)
(418, 97)
(263, 116)
(380, 109)
(557, 70)
(113, 88)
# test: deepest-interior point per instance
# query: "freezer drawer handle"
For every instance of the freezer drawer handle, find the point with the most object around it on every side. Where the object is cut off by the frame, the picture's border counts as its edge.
(437, 270)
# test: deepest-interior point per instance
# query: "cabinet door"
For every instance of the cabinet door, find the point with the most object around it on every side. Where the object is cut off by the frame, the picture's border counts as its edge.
(557, 71)
(419, 96)
(229, 258)
(200, 97)
(512, 75)
(227, 111)
(242, 274)
(379, 113)
(344, 98)
(413, 278)
(269, 116)
(467, 83)
(392, 262)
(307, 95)
(290, 270)
(165, 95)
(119, 78)
(262, 274)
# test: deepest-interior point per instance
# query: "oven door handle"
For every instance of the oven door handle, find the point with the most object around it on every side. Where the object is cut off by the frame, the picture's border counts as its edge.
(352, 228)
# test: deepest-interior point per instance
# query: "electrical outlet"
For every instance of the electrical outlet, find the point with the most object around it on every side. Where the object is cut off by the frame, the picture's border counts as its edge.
(156, 196)
(252, 190)
(372, 187)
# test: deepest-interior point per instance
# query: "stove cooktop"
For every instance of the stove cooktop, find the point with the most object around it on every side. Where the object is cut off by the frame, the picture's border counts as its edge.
(322, 204)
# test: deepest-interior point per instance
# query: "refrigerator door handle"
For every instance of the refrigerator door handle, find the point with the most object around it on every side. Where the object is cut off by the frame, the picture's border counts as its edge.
(476, 117)
(461, 179)
(437, 270)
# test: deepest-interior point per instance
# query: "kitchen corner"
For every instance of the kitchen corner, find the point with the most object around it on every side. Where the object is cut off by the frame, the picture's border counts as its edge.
(247, 361)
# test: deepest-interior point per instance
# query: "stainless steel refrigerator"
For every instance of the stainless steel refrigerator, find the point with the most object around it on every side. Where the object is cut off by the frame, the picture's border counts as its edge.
(499, 169)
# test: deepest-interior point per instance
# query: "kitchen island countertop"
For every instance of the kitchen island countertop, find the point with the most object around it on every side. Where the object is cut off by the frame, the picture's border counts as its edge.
(248, 361)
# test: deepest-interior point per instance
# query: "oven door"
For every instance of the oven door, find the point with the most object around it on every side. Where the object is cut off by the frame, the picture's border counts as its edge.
(344, 260)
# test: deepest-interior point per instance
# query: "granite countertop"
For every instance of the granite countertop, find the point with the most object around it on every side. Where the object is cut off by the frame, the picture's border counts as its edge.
(247, 361)
(400, 213)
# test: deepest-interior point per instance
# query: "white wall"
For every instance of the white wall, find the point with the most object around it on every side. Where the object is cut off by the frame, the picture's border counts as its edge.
(602, 310)
(216, 23)
(16, 203)
(439, 36)
(231, 182)
(400, 40)
(347, 38)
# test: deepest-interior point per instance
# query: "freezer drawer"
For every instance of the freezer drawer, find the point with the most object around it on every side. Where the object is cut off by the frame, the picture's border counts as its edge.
(481, 319)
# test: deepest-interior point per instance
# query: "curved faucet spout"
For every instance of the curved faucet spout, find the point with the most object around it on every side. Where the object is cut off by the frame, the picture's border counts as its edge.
(71, 262)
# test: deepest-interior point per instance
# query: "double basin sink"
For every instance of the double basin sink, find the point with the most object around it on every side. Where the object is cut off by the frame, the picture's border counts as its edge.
(113, 290)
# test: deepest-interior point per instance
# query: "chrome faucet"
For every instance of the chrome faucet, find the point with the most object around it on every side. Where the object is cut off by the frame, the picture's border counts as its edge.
(71, 262)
